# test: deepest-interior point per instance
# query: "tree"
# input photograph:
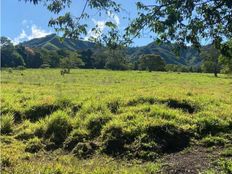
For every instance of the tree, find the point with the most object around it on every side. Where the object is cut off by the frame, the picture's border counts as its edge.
(116, 59)
(210, 57)
(9, 56)
(31, 57)
(72, 61)
(151, 62)
(87, 58)
(100, 58)
(185, 21)
(226, 57)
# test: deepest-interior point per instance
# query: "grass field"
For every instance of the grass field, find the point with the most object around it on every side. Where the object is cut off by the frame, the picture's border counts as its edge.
(98, 121)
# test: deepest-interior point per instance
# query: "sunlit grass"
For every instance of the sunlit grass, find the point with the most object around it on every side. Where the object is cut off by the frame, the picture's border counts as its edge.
(109, 114)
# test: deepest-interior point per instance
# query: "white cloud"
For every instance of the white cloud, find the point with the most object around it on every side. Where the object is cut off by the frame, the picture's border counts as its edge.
(100, 26)
(22, 36)
(35, 32)
(114, 17)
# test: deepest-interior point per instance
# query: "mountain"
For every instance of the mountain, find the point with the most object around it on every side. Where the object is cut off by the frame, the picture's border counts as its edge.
(187, 56)
(53, 42)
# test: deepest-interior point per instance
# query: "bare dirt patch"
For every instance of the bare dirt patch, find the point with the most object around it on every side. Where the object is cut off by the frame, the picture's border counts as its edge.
(192, 161)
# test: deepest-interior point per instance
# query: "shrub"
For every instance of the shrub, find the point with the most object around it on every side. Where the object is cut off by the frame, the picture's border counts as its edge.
(7, 122)
(34, 145)
(58, 127)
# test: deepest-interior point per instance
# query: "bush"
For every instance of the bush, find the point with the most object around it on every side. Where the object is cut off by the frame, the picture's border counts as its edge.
(7, 122)
(34, 145)
(58, 127)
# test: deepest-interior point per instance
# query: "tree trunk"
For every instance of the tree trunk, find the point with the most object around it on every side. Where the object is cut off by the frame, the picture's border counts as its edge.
(215, 67)
(215, 73)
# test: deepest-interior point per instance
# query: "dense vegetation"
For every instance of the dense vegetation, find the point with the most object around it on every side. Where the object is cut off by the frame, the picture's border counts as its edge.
(51, 52)
(99, 121)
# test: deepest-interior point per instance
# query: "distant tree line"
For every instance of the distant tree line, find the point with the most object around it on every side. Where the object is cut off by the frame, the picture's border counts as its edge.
(102, 58)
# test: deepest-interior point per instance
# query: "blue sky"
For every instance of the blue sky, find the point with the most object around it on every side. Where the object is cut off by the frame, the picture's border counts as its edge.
(22, 21)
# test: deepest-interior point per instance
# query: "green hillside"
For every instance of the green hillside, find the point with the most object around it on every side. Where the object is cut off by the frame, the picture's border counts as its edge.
(53, 42)
(187, 57)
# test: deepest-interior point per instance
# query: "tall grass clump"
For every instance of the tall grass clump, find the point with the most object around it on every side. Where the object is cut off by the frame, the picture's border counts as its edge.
(7, 123)
(211, 125)
(58, 127)
(95, 122)
(75, 137)
(34, 145)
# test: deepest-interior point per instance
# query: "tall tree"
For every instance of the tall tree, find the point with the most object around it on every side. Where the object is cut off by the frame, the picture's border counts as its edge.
(151, 62)
(87, 58)
(9, 55)
(226, 57)
(72, 61)
(210, 57)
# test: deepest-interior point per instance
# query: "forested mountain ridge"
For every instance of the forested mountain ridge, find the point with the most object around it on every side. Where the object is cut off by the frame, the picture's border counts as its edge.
(53, 42)
(188, 57)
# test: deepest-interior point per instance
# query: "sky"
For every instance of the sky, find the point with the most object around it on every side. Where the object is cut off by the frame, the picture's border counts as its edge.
(22, 21)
